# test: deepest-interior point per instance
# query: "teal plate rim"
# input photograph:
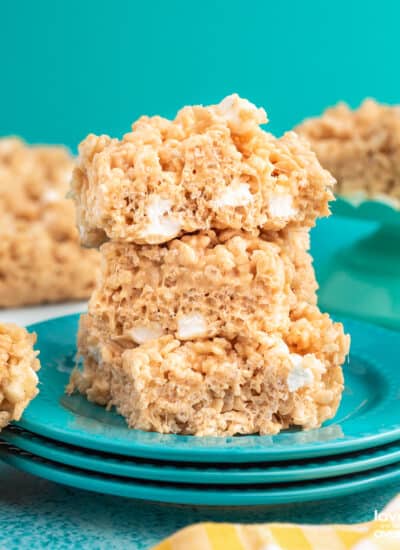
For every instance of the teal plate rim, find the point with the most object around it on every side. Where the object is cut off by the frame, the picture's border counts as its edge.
(270, 472)
(366, 208)
(369, 414)
(244, 495)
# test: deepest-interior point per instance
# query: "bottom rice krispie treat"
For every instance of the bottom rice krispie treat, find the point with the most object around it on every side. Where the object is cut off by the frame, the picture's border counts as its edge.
(18, 367)
(216, 386)
(361, 148)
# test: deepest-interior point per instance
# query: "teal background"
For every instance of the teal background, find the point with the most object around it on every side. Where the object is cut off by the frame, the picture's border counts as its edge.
(69, 68)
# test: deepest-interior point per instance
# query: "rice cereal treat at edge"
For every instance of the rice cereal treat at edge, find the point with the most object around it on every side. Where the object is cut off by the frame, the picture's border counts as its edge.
(40, 256)
(18, 367)
(216, 386)
(361, 148)
(204, 285)
(211, 167)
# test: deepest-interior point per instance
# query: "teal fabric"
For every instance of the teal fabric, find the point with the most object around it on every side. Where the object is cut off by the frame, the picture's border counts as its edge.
(73, 67)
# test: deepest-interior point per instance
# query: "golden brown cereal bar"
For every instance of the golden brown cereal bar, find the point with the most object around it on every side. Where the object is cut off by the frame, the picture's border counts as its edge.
(211, 167)
(18, 368)
(205, 285)
(361, 148)
(216, 386)
(40, 256)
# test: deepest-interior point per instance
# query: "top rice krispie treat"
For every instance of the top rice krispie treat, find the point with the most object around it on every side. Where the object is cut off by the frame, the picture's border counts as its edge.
(211, 167)
(18, 367)
(41, 259)
(361, 148)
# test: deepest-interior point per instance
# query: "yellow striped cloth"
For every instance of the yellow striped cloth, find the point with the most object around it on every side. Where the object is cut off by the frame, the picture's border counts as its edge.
(383, 533)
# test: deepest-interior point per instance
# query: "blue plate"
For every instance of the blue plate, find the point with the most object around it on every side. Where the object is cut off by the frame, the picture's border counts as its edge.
(222, 495)
(369, 414)
(270, 472)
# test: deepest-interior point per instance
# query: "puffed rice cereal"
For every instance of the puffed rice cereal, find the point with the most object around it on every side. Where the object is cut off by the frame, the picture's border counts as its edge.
(18, 372)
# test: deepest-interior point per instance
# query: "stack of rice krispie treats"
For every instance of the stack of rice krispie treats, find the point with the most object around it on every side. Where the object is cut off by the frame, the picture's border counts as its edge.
(204, 320)
(41, 259)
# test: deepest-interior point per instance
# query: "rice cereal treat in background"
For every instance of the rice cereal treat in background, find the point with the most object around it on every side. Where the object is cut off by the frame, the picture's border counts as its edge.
(203, 285)
(217, 386)
(361, 148)
(18, 368)
(41, 259)
(211, 167)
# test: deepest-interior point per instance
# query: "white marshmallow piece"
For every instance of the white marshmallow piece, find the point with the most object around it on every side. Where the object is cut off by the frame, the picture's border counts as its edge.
(161, 224)
(236, 194)
(191, 326)
(241, 115)
(299, 376)
(142, 334)
(281, 206)
(282, 347)
(51, 196)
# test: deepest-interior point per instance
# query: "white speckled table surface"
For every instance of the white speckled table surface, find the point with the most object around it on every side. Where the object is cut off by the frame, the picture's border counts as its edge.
(35, 513)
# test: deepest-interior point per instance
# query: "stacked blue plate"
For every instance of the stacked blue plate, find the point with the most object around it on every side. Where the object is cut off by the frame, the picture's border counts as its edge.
(71, 441)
